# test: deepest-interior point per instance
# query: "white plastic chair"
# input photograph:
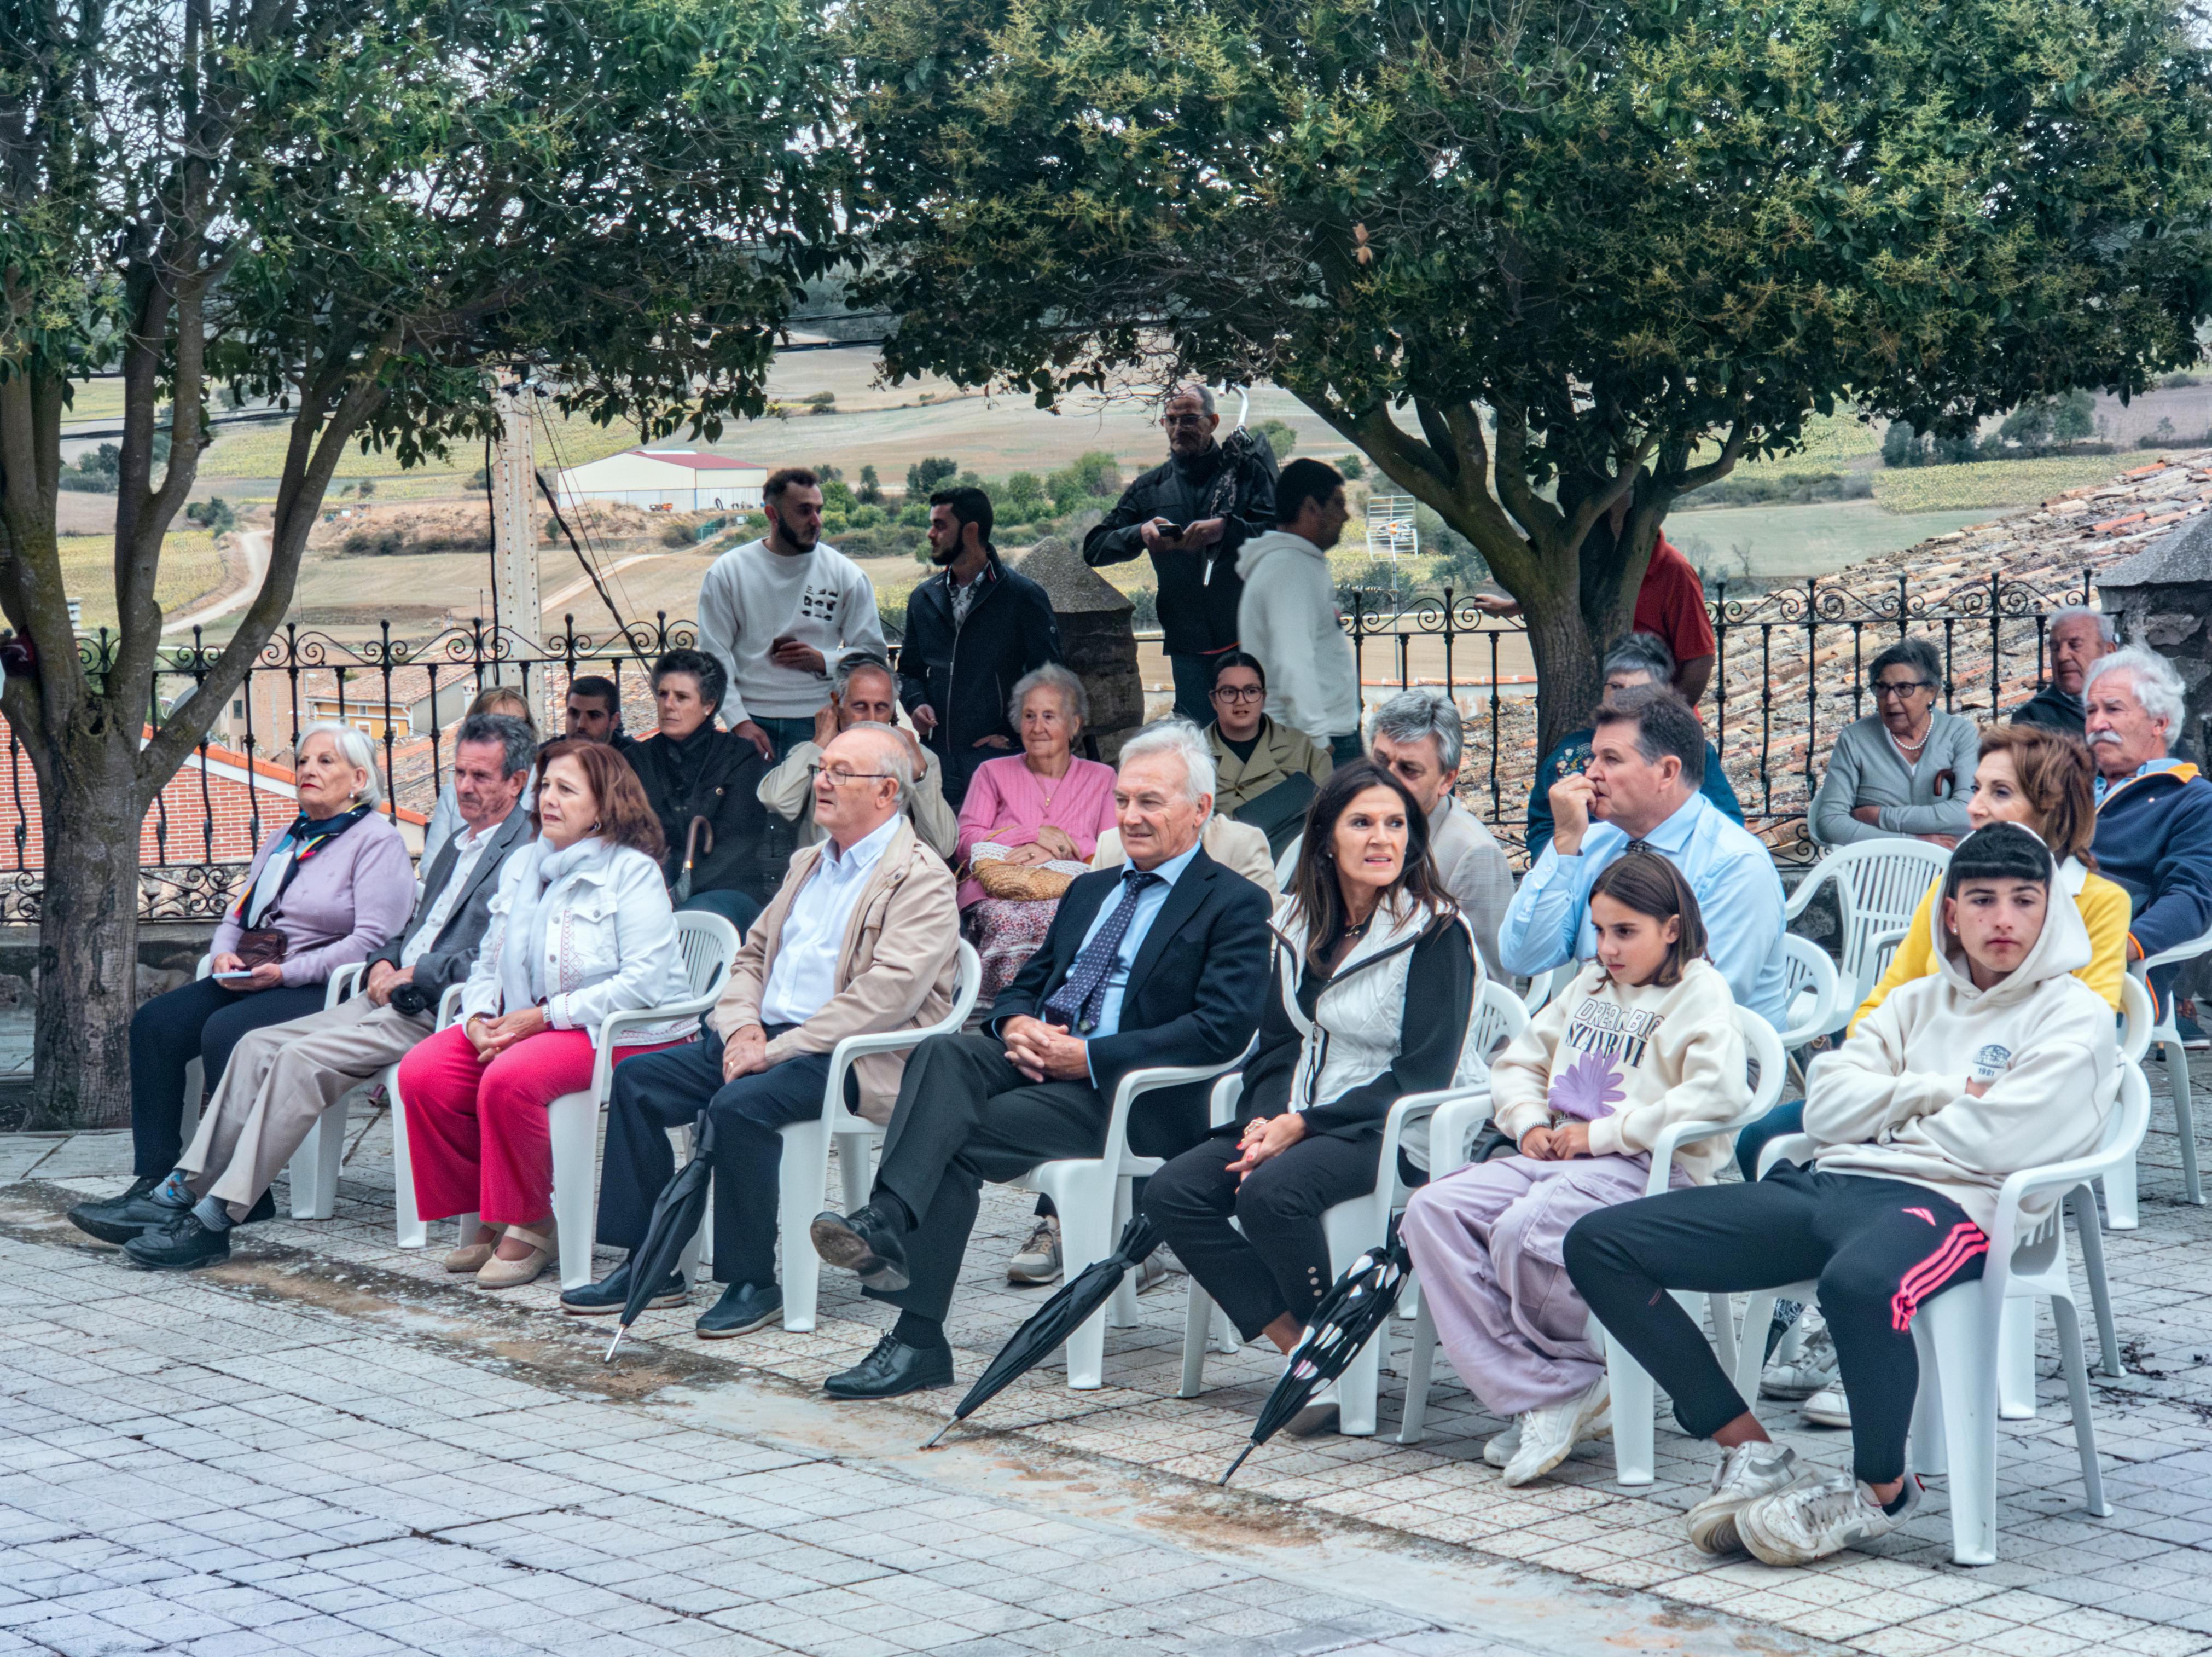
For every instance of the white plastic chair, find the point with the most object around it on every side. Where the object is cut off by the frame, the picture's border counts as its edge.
(1287, 866)
(412, 1231)
(1959, 1334)
(2167, 1034)
(1634, 1395)
(1811, 993)
(1879, 885)
(1093, 1196)
(1544, 986)
(709, 945)
(805, 1174)
(2137, 1019)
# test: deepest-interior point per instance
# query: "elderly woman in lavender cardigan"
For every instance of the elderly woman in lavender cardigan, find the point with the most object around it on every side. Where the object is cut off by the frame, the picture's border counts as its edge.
(337, 884)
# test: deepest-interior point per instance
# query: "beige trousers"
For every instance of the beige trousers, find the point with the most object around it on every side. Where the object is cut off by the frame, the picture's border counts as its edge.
(279, 1081)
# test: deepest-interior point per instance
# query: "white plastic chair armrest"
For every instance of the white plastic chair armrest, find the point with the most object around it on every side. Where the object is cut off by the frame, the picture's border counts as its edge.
(1221, 1103)
(449, 1004)
(345, 982)
(1164, 1076)
(1672, 1138)
(1795, 1146)
(2180, 952)
(1816, 877)
(1414, 1107)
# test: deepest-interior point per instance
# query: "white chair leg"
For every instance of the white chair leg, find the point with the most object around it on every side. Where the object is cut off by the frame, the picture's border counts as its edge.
(1086, 1225)
(2100, 1289)
(1720, 1311)
(195, 1085)
(853, 1169)
(412, 1232)
(1197, 1335)
(1420, 1363)
(2184, 1117)
(1227, 1343)
(2075, 1363)
(1360, 1387)
(1952, 1329)
(801, 1191)
(313, 1170)
(1122, 1310)
(1751, 1345)
(573, 1120)
(1635, 1450)
(2016, 1360)
(1926, 1452)
(2121, 1212)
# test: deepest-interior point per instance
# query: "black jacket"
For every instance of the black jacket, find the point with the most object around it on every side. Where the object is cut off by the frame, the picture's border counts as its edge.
(1198, 612)
(2053, 710)
(966, 673)
(714, 775)
(454, 950)
(1195, 992)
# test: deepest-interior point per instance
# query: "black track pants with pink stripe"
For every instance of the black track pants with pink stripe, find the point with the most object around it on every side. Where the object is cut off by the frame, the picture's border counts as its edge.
(1878, 1248)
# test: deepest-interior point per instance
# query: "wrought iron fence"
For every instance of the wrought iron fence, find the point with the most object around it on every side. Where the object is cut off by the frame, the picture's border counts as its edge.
(1789, 671)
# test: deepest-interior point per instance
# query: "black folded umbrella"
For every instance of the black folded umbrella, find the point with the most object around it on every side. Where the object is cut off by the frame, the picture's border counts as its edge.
(1344, 1320)
(675, 1215)
(1050, 1326)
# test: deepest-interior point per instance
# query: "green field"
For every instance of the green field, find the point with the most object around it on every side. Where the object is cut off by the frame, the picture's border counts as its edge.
(191, 566)
(1990, 484)
(1787, 542)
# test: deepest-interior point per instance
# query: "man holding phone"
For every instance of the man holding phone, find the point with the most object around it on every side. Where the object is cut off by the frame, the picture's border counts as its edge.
(1193, 515)
(779, 612)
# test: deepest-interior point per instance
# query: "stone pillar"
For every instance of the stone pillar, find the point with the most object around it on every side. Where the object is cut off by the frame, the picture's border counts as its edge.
(2162, 597)
(1097, 642)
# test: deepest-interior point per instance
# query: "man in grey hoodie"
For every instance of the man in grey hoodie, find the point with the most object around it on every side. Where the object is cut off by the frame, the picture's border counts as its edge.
(1290, 620)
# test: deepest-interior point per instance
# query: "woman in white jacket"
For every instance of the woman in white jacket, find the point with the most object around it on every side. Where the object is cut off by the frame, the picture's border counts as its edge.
(1377, 972)
(580, 928)
(1644, 1036)
(2000, 1060)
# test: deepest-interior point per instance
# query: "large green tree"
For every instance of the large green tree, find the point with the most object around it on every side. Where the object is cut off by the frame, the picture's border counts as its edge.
(355, 211)
(1549, 263)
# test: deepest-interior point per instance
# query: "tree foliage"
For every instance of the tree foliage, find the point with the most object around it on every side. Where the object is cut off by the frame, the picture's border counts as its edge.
(355, 211)
(1541, 260)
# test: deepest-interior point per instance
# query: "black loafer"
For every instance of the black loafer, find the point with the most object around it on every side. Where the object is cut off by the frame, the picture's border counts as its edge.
(605, 1296)
(892, 1369)
(865, 1244)
(264, 1208)
(120, 1219)
(743, 1308)
(184, 1244)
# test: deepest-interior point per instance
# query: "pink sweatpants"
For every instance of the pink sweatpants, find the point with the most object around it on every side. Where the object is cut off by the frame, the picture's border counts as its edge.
(476, 1133)
(1487, 1241)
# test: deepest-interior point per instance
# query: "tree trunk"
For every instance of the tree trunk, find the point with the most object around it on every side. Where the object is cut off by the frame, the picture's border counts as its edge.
(1568, 682)
(87, 933)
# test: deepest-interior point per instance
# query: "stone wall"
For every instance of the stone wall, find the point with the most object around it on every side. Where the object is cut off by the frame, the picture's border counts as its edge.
(1098, 642)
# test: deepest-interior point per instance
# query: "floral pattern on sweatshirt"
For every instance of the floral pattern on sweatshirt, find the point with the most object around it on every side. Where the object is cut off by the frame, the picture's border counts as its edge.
(1588, 1088)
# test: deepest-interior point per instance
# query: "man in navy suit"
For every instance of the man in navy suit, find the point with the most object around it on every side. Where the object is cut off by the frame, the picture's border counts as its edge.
(1161, 962)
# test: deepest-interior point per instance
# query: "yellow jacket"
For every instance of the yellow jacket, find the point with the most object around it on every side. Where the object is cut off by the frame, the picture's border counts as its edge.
(2104, 911)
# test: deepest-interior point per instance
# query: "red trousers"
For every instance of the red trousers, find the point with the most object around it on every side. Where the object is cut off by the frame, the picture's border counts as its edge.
(476, 1133)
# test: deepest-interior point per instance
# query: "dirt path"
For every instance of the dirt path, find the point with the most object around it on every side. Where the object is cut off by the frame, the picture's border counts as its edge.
(250, 546)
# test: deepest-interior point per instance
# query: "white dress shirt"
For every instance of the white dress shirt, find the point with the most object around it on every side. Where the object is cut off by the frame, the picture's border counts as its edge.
(468, 848)
(804, 976)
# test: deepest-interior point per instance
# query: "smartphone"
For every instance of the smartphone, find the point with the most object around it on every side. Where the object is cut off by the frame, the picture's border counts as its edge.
(238, 972)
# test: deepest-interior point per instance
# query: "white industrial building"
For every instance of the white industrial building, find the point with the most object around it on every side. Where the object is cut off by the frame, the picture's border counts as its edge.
(681, 479)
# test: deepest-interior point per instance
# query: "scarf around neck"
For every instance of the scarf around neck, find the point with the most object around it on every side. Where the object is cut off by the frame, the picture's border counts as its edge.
(522, 950)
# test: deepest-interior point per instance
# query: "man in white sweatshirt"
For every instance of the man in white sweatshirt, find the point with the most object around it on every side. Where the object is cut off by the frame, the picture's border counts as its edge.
(1288, 617)
(780, 612)
(2000, 1060)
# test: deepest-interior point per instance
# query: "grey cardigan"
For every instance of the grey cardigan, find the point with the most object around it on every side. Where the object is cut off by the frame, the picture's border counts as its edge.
(1865, 769)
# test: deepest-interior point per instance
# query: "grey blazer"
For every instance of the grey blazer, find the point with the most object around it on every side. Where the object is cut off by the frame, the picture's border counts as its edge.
(454, 950)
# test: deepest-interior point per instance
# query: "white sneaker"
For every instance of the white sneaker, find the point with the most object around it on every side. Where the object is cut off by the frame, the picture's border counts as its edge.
(1549, 1436)
(1804, 1363)
(1747, 1473)
(1828, 1408)
(1499, 1449)
(1037, 1261)
(1796, 1528)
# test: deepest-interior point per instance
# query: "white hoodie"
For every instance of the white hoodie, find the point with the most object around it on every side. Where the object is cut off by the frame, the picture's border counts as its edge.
(1287, 617)
(1893, 1103)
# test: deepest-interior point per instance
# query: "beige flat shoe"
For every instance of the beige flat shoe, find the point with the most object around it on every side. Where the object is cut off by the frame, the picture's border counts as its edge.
(497, 1273)
(471, 1257)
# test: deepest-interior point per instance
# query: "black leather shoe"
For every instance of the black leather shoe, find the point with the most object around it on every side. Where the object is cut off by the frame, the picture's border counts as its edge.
(865, 1243)
(120, 1219)
(743, 1308)
(893, 1369)
(264, 1208)
(184, 1243)
(607, 1296)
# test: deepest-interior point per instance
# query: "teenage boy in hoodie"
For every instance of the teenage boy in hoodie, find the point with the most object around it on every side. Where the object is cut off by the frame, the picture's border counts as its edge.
(1288, 617)
(1999, 1061)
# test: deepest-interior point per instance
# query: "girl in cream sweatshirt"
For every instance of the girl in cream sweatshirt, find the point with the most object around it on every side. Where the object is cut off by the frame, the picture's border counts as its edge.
(1645, 1036)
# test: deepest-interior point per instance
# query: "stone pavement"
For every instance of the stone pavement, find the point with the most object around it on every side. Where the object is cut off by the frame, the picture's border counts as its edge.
(2137, 1583)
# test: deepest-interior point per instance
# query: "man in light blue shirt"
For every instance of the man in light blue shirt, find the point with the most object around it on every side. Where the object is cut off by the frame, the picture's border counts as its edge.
(1647, 761)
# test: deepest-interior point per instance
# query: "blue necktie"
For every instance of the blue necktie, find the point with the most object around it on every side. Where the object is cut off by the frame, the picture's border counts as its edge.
(1075, 1003)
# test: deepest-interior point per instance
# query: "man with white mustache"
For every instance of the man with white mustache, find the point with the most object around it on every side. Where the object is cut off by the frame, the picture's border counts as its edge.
(2153, 811)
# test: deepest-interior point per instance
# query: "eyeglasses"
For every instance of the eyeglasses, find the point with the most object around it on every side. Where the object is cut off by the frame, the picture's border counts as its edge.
(1172, 421)
(1239, 693)
(1898, 687)
(838, 778)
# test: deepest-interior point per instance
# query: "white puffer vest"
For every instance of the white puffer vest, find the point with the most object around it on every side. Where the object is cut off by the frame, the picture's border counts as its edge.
(1352, 1037)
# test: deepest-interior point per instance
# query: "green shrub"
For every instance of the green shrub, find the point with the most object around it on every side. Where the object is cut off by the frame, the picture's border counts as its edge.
(925, 475)
(1353, 466)
(1281, 437)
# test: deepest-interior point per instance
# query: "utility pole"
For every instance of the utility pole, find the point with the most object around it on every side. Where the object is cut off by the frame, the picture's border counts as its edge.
(514, 543)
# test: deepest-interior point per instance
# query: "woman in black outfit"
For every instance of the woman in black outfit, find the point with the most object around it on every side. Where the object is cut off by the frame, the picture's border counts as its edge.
(1378, 972)
(704, 786)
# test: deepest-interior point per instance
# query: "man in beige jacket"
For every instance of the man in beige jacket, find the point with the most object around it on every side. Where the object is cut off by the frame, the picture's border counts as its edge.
(860, 938)
(863, 692)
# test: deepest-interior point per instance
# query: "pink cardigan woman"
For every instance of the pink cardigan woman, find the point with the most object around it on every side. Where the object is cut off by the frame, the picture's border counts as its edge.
(1044, 804)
